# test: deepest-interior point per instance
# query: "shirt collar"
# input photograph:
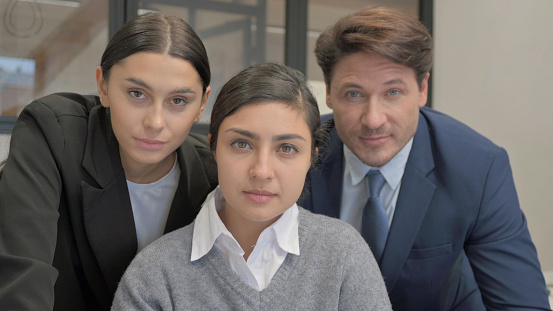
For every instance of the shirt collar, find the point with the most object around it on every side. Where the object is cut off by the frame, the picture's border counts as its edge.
(392, 171)
(286, 230)
(208, 227)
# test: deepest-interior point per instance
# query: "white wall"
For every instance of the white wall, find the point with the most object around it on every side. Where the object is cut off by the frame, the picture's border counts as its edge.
(493, 70)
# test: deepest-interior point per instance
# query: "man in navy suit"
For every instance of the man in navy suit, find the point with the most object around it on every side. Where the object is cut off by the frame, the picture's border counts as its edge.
(456, 237)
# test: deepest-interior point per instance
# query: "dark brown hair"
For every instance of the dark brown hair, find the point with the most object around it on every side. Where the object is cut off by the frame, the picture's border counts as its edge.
(387, 33)
(267, 82)
(154, 32)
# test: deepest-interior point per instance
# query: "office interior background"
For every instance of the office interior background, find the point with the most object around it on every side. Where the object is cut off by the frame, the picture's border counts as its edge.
(493, 64)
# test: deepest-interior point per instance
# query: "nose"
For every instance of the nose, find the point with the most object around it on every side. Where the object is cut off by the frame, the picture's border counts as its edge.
(154, 119)
(262, 166)
(373, 115)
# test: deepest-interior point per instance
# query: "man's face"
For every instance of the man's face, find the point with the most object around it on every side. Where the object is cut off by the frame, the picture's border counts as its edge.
(376, 105)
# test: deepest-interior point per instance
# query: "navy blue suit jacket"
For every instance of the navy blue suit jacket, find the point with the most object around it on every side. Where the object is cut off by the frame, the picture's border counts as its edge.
(458, 239)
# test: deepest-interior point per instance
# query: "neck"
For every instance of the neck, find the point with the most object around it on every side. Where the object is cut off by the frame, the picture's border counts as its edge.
(245, 232)
(148, 173)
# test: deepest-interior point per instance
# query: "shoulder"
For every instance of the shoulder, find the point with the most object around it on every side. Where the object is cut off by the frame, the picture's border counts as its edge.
(169, 248)
(453, 142)
(447, 129)
(64, 104)
(198, 142)
(196, 153)
(331, 231)
(61, 119)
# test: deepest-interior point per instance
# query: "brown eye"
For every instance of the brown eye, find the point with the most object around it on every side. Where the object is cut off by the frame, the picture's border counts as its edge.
(179, 101)
(241, 144)
(288, 148)
(136, 94)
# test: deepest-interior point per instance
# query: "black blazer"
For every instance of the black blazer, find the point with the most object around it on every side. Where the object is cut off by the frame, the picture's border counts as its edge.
(67, 231)
(458, 239)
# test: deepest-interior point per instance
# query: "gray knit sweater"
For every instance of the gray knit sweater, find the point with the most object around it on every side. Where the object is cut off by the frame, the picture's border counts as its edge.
(334, 271)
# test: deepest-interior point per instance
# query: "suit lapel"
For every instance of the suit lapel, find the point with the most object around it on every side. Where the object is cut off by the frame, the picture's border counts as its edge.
(107, 212)
(414, 198)
(327, 179)
(193, 184)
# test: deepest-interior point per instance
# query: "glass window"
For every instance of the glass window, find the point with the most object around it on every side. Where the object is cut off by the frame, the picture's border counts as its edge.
(230, 32)
(49, 46)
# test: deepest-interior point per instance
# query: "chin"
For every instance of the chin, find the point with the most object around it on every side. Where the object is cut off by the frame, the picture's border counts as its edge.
(263, 218)
(378, 162)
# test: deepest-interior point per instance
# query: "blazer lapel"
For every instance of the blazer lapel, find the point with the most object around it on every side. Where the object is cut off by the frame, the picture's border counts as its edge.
(326, 183)
(107, 212)
(191, 191)
(414, 198)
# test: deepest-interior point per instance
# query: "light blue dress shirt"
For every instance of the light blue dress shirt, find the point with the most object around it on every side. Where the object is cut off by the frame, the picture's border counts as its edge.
(355, 190)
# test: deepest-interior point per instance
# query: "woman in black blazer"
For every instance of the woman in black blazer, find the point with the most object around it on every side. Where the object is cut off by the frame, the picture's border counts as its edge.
(73, 211)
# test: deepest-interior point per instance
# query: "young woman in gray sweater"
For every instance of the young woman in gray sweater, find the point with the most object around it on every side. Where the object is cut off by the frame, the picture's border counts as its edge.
(251, 247)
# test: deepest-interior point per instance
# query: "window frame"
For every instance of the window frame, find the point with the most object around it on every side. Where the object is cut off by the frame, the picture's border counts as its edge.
(295, 48)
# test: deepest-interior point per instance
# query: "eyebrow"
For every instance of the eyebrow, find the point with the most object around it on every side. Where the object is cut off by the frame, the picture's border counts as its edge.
(390, 82)
(149, 88)
(395, 81)
(348, 85)
(256, 137)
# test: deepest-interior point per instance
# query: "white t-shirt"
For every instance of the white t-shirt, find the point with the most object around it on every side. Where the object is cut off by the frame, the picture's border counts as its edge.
(151, 204)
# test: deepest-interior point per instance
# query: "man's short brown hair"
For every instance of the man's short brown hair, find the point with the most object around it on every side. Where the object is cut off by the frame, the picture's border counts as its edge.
(385, 32)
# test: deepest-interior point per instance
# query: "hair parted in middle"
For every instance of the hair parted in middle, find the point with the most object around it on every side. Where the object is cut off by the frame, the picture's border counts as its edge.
(155, 32)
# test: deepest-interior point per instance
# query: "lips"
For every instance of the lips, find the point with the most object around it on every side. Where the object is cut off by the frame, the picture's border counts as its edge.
(374, 140)
(259, 196)
(150, 144)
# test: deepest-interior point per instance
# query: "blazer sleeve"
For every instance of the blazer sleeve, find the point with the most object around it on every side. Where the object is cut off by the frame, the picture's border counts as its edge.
(499, 248)
(30, 191)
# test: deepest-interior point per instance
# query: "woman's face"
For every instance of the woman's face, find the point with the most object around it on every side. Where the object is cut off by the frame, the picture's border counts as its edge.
(154, 100)
(263, 154)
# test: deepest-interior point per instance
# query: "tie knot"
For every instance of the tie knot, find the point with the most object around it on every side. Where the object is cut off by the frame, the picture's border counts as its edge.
(376, 182)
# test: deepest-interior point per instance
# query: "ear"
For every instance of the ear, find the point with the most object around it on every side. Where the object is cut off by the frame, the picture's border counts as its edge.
(102, 87)
(202, 107)
(328, 103)
(423, 97)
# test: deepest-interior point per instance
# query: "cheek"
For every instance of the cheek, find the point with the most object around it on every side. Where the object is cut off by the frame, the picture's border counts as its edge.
(349, 116)
(296, 175)
(228, 171)
(180, 125)
(411, 117)
(121, 121)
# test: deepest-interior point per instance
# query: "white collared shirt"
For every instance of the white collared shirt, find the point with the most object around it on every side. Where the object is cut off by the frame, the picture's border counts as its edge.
(272, 246)
(355, 191)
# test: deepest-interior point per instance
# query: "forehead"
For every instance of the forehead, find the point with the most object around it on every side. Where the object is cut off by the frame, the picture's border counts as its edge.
(267, 116)
(156, 67)
(370, 68)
